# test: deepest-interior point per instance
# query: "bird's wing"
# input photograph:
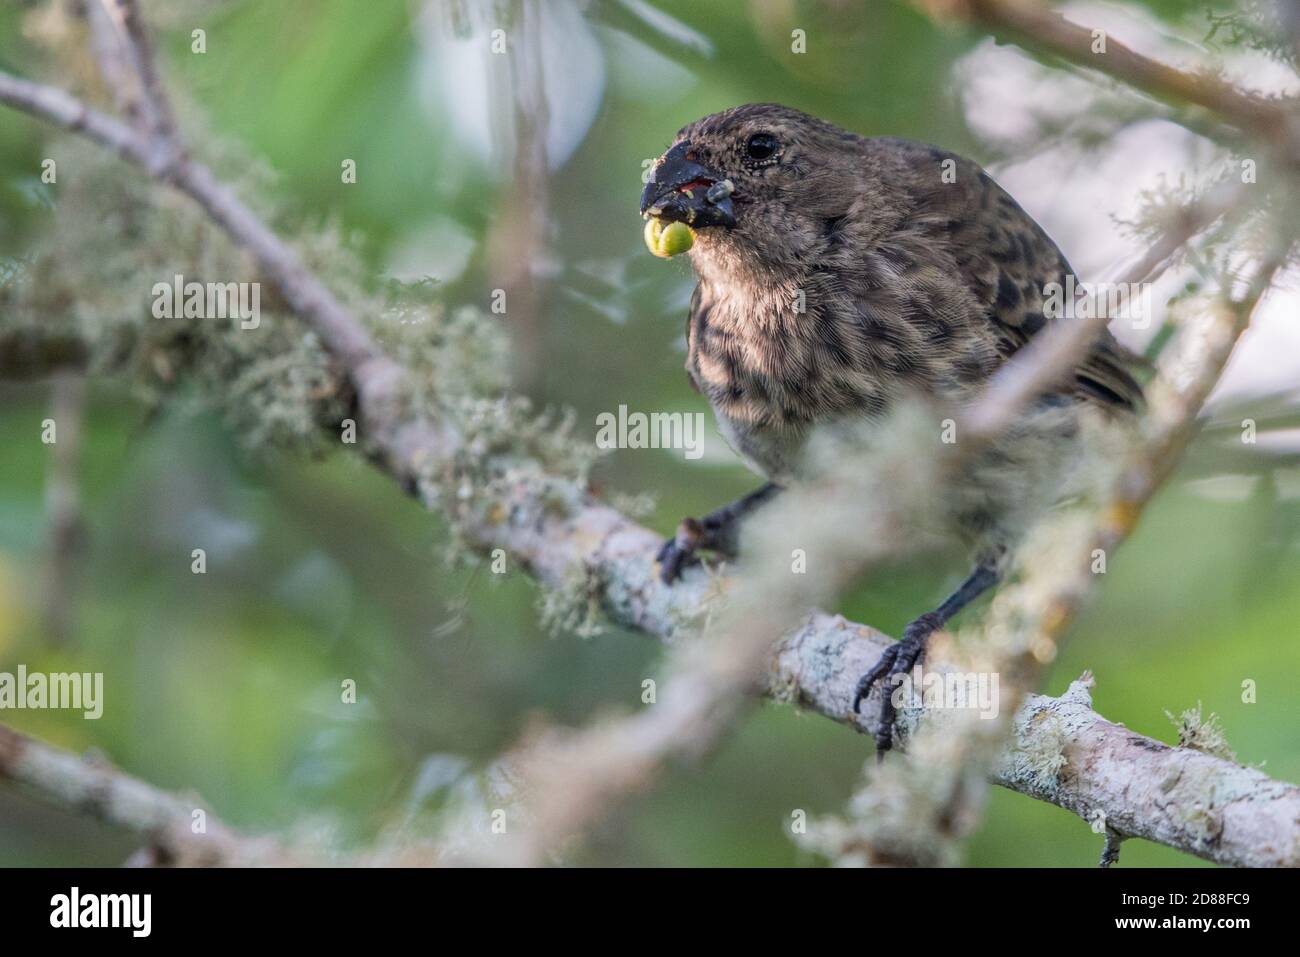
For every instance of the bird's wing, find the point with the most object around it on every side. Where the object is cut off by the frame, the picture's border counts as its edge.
(1006, 261)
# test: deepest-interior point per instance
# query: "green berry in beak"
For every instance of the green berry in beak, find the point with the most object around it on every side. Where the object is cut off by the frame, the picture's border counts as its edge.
(666, 240)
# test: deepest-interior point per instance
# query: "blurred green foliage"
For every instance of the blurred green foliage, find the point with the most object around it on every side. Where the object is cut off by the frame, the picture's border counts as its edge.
(228, 683)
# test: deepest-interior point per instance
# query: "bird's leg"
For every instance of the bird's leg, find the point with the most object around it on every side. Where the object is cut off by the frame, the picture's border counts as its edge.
(719, 531)
(901, 657)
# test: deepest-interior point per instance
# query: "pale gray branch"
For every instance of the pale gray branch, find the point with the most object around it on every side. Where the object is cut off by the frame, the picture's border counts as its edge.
(69, 113)
(1134, 784)
(817, 666)
(177, 826)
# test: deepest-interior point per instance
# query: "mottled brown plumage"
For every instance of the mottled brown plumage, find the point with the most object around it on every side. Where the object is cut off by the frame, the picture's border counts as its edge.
(839, 273)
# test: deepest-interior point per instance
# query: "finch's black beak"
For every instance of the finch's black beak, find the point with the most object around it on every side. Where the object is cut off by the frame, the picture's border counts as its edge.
(682, 190)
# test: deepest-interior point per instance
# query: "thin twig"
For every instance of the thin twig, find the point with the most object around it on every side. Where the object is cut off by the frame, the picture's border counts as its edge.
(159, 122)
(110, 57)
(1047, 30)
(66, 111)
(67, 528)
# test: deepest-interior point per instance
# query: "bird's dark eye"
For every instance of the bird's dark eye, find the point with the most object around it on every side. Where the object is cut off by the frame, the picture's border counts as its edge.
(760, 146)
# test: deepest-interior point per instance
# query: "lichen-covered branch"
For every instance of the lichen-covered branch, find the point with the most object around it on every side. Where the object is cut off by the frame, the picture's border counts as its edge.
(1107, 774)
(575, 538)
(179, 829)
(1216, 809)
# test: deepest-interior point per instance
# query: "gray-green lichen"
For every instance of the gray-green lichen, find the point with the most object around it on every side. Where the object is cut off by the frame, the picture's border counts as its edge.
(82, 292)
(1202, 733)
(635, 505)
(89, 275)
(817, 653)
(1042, 757)
(575, 605)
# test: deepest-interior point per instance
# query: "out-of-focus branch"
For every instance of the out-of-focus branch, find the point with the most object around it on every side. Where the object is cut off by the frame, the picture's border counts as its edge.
(34, 355)
(1051, 356)
(66, 111)
(1044, 29)
(155, 107)
(1136, 785)
(63, 508)
(179, 830)
(110, 58)
(817, 665)
(516, 237)
(1176, 404)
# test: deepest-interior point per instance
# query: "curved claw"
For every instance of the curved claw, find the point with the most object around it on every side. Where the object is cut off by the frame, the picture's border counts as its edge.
(897, 659)
(673, 560)
(717, 532)
(877, 671)
(679, 552)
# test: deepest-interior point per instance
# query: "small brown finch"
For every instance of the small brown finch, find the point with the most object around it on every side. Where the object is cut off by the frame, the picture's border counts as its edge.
(837, 274)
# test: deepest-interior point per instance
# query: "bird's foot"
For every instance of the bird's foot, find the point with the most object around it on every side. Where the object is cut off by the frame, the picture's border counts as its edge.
(717, 532)
(681, 551)
(898, 659)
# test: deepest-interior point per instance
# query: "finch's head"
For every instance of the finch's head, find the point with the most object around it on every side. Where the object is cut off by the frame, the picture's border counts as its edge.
(757, 181)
